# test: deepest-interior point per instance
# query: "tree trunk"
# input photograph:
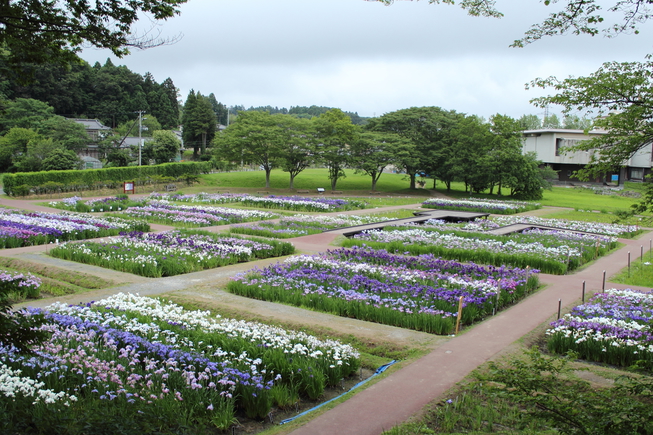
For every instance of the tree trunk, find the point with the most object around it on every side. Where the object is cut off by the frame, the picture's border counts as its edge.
(373, 184)
(292, 181)
(412, 181)
(267, 177)
(203, 143)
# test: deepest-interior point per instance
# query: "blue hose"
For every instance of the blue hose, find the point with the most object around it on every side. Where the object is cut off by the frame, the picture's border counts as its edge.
(378, 371)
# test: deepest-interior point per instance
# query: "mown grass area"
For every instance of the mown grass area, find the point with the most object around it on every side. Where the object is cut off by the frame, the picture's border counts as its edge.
(569, 197)
(639, 274)
(310, 179)
(593, 216)
(55, 281)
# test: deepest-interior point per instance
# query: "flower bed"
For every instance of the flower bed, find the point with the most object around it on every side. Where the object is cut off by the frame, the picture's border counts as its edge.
(615, 230)
(164, 212)
(114, 203)
(301, 225)
(613, 327)
(420, 293)
(481, 205)
(136, 363)
(16, 285)
(294, 203)
(19, 228)
(553, 252)
(169, 253)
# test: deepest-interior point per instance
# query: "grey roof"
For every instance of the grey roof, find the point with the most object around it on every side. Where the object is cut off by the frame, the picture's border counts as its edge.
(133, 140)
(90, 124)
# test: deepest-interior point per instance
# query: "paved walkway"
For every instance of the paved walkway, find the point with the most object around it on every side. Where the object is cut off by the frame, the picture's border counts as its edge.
(405, 391)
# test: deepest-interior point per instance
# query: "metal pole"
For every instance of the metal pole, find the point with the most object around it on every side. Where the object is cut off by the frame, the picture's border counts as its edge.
(140, 127)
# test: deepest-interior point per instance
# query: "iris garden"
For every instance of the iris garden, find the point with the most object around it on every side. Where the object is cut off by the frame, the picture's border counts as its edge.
(140, 363)
(613, 327)
(21, 228)
(293, 203)
(481, 205)
(169, 253)
(417, 292)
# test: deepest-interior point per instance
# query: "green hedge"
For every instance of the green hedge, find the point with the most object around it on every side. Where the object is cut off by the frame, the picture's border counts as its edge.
(24, 183)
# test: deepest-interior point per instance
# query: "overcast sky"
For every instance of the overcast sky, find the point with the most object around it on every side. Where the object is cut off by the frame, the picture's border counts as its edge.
(366, 57)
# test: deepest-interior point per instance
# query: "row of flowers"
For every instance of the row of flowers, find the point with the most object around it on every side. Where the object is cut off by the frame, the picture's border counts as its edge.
(613, 327)
(550, 251)
(18, 285)
(481, 205)
(294, 203)
(95, 205)
(138, 361)
(615, 230)
(417, 292)
(164, 212)
(22, 228)
(169, 253)
(301, 225)
(495, 222)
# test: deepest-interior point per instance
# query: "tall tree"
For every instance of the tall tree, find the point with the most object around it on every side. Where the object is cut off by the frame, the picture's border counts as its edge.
(188, 134)
(164, 146)
(25, 113)
(374, 151)
(219, 109)
(298, 149)
(504, 156)
(336, 134)
(199, 123)
(14, 144)
(530, 122)
(256, 137)
(471, 143)
(429, 129)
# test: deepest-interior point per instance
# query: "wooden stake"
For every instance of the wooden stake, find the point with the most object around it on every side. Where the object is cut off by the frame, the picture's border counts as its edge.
(583, 295)
(603, 281)
(559, 307)
(460, 313)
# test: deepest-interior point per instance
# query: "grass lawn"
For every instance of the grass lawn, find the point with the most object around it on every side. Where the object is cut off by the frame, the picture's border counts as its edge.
(589, 216)
(310, 179)
(640, 273)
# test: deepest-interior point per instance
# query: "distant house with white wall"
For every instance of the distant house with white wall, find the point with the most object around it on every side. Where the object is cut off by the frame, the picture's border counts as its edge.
(548, 145)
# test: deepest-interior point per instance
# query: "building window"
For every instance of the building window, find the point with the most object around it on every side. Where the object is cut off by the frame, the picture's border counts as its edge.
(559, 144)
(637, 173)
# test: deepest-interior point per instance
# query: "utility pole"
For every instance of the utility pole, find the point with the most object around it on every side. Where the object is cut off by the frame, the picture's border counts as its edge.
(140, 140)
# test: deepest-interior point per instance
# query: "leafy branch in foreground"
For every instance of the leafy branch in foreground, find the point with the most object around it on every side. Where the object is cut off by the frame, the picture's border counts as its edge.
(621, 96)
(549, 388)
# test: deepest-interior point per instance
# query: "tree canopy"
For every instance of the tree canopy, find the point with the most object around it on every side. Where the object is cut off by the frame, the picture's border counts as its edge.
(620, 95)
(46, 31)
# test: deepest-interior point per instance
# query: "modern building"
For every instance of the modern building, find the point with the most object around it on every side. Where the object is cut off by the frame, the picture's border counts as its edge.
(549, 144)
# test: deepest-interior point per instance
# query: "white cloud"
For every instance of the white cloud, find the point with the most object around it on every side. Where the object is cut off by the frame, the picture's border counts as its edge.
(365, 57)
